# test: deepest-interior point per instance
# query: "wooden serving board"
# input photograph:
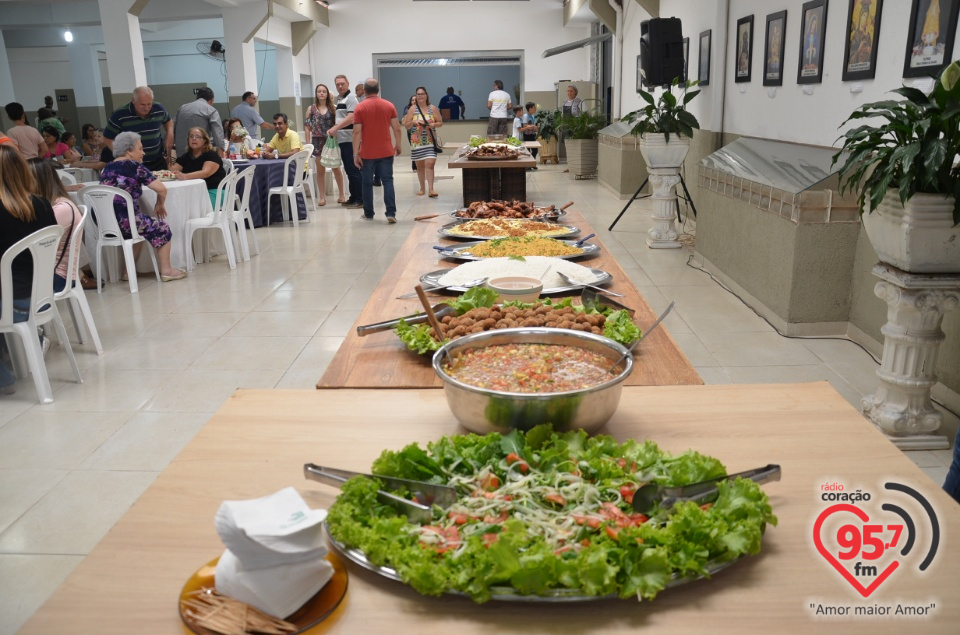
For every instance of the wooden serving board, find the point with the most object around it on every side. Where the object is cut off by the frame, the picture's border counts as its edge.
(382, 361)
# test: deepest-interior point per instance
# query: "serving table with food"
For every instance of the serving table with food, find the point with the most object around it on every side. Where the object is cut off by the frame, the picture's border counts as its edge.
(259, 441)
(383, 360)
(493, 171)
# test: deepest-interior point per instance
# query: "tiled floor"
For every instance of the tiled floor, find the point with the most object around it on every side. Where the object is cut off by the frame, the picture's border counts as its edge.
(174, 352)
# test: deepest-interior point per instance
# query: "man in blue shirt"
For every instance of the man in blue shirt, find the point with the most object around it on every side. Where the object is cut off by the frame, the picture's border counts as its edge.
(147, 119)
(452, 102)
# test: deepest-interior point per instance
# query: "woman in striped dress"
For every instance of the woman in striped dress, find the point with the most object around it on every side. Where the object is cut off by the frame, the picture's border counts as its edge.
(420, 121)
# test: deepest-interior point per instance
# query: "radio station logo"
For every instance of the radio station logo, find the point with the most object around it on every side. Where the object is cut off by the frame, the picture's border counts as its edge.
(867, 545)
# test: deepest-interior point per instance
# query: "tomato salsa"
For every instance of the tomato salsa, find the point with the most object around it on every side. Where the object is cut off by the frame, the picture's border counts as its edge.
(530, 368)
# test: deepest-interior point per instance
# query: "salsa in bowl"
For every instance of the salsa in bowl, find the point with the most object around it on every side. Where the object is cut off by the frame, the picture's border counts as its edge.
(522, 377)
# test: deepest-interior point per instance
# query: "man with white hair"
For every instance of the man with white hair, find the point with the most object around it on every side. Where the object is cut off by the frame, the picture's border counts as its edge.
(149, 120)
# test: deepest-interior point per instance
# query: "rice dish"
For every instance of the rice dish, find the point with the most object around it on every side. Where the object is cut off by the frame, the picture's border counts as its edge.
(531, 266)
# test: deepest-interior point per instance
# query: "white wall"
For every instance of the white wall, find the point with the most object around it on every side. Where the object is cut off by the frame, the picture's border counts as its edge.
(786, 113)
(38, 72)
(358, 30)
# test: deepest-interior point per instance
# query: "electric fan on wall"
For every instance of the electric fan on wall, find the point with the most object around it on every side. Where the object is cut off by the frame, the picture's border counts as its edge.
(214, 50)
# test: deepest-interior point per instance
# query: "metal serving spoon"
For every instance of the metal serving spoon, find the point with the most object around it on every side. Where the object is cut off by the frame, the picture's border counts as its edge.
(649, 495)
(466, 285)
(650, 330)
(573, 283)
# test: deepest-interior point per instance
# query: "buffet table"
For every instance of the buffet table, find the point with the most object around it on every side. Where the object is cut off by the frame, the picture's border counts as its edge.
(259, 440)
(381, 360)
(491, 180)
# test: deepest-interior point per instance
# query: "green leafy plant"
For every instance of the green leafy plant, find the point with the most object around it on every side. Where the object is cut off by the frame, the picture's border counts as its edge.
(668, 115)
(586, 125)
(913, 151)
(548, 123)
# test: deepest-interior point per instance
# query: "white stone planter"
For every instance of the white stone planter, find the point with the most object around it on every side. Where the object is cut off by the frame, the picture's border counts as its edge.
(919, 237)
(663, 166)
(581, 156)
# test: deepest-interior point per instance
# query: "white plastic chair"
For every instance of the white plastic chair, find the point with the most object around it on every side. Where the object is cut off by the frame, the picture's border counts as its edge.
(288, 192)
(67, 177)
(73, 293)
(241, 214)
(219, 219)
(311, 175)
(228, 166)
(42, 246)
(100, 198)
(76, 173)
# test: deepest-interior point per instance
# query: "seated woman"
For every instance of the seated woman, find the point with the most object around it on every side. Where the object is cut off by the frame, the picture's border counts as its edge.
(21, 214)
(56, 149)
(70, 140)
(46, 117)
(236, 140)
(200, 161)
(49, 187)
(128, 173)
(92, 148)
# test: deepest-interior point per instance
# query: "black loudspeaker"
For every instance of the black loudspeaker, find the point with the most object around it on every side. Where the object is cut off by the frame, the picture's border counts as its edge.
(661, 51)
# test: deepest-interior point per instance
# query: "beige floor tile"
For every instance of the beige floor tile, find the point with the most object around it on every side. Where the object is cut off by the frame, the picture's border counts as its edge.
(26, 582)
(147, 442)
(76, 514)
(299, 300)
(41, 439)
(923, 458)
(337, 285)
(110, 390)
(21, 489)
(794, 375)
(711, 309)
(840, 350)
(936, 474)
(713, 375)
(271, 323)
(192, 325)
(173, 353)
(317, 355)
(305, 379)
(339, 323)
(332, 266)
(944, 456)
(249, 353)
(694, 349)
(205, 390)
(755, 349)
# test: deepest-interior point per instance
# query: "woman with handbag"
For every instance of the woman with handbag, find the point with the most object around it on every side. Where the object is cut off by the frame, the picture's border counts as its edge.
(422, 121)
(320, 117)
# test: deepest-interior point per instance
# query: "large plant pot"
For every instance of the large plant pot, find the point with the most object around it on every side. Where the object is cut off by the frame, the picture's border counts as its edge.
(660, 154)
(918, 237)
(548, 150)
(582, 156)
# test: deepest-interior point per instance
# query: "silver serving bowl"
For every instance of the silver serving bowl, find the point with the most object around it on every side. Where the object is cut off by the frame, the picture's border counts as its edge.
(484, 410)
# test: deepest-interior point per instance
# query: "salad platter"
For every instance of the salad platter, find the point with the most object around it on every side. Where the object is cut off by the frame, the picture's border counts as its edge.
(463, 251)
(547, 517)
(489, 229)
(432, 279)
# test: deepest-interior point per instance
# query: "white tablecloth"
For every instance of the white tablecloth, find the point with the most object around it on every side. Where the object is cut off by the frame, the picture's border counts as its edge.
(185, 200)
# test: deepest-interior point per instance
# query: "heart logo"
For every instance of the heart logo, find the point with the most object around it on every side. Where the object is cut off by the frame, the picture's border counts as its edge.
(862, 515)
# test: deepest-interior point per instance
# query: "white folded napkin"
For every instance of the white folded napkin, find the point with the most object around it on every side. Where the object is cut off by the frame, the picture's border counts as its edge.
(278, 591)
(273, 530)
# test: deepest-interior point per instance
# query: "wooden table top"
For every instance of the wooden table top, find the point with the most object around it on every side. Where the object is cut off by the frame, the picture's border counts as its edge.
(259, 440)
(382, 361)
(465, 163)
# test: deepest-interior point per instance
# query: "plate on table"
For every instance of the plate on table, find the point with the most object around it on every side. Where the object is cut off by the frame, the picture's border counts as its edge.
(509, 594)
(432, 279)
(317, 608)
(492, 228)
(462, 251)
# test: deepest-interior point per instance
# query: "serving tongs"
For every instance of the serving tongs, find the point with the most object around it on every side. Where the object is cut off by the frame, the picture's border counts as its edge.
(648, 496)
(418, 510)
(591, 299)
(440, 310)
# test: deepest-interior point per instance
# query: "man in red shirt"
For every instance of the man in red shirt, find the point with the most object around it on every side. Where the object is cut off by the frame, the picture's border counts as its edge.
(373, 121)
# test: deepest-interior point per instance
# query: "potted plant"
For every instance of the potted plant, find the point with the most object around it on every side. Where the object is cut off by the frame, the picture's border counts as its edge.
(906, 175)
(666, 116)
(547, 132)
(580, 138)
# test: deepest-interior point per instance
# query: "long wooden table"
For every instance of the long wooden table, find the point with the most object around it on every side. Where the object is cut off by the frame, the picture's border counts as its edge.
(382, 361)
(259, 440)
(493, 180)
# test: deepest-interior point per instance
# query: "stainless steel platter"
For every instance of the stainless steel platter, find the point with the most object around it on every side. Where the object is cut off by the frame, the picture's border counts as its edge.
(433, 279)
(444, 231)
(509, 594)
(462, 252)
(549, 216)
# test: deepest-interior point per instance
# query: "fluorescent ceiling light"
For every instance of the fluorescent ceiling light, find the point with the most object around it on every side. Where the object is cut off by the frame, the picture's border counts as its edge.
(68, 36)
(572, 46)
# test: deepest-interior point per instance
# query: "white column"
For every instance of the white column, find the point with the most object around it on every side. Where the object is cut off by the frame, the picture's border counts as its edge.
(121, 34)
(239, 27)
(85, 69)
(286, 74)
(663, 183)
(6, 79)
(901, 407)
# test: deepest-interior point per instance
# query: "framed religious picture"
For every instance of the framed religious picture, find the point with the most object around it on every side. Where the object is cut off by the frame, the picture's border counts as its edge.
(703, 70)
(813, 27)
(930, 33)
(744, 56)
(860, 46)
(686, 59)
(773, 49)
